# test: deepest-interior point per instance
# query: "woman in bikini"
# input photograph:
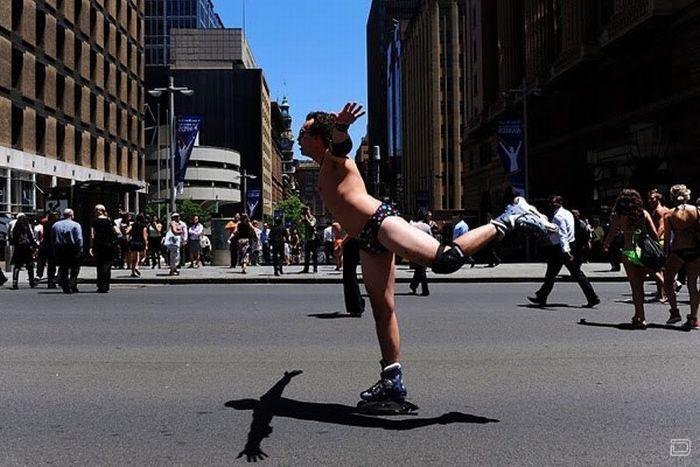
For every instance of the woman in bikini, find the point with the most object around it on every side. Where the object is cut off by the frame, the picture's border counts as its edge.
(630, 219)
(682, 249)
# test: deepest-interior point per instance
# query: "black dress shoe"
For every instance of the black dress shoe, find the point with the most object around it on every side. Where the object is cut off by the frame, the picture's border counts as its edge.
(592, 303)
(424, 294)
(537, 300)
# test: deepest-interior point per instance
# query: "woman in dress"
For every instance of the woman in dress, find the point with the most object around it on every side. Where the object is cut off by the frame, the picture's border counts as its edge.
(245, 236)
(138, 238)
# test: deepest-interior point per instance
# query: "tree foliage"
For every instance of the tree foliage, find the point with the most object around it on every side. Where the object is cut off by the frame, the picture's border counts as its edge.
(186, 208)
(292, 208)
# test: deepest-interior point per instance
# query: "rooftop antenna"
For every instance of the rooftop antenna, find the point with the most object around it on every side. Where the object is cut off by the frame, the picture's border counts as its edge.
(243, 15)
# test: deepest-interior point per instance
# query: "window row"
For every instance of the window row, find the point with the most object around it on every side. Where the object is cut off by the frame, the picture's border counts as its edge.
(45, 84)
(47, 136)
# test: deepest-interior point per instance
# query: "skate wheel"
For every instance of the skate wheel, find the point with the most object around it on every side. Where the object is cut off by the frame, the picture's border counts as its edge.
(387, 408)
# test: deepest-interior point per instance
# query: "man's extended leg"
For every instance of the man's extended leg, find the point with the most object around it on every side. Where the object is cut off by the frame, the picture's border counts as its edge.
(400, 237)
(378, 276)
(406, 241)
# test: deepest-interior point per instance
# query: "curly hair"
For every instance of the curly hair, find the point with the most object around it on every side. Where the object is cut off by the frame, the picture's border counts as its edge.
(629, 203)
(322, 126)
(680, 194)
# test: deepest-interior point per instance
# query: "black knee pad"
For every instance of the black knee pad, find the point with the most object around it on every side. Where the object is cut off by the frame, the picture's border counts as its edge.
(448, 261)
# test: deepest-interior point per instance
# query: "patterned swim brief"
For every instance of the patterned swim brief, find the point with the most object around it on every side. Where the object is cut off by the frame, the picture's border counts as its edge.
(369, 236)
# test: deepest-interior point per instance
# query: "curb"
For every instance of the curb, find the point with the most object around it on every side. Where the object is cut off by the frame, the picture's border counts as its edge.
(276, 280)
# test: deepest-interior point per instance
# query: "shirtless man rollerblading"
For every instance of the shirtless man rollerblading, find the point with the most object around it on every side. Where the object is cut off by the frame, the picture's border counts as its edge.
(381, 234)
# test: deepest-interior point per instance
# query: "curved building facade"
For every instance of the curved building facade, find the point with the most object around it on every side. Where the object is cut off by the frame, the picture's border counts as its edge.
(213, 176)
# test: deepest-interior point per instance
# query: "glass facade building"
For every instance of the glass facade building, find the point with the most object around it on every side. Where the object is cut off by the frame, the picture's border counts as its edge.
(163, 15)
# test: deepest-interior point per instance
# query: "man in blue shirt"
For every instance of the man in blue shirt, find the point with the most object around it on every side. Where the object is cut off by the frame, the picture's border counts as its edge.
(67, 238)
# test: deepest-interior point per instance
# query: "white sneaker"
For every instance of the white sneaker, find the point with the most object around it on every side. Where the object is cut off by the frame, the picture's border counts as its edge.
(522, 215)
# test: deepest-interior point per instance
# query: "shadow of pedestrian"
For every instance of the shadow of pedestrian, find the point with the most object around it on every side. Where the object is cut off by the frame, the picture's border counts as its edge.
(334, 315)
(272, 404)
(630, 327)
(550, 306)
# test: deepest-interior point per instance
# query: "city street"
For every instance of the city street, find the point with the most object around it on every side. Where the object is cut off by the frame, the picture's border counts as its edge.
(194, 374)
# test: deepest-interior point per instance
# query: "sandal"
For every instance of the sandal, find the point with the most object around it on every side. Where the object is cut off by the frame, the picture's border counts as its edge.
(675, 316)
(638, 323)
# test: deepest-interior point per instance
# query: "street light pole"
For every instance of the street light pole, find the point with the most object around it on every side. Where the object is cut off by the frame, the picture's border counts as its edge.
(171, 90)
(244, 176)
(173, 145)
(526, 147)
(376, 158)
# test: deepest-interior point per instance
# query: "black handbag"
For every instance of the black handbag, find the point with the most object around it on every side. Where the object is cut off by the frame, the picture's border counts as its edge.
(651, 252)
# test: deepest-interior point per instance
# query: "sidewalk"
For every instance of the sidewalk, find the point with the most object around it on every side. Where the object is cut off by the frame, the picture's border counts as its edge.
(512, 272)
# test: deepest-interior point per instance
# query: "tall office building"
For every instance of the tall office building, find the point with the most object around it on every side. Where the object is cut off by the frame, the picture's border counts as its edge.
(164, 15)
(611, 98)
(234, 103)
(433, 106)
(71, 98)
(382, 22)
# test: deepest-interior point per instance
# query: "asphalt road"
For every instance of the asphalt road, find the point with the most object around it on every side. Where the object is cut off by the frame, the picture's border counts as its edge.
(192, 375)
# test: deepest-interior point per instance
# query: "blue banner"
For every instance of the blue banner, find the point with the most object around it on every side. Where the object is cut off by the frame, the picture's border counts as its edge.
(187, 129)
(252, 201)
(423, 201)
(512, 152)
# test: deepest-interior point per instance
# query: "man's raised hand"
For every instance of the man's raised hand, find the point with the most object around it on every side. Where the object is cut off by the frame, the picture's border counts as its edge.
(350, 113)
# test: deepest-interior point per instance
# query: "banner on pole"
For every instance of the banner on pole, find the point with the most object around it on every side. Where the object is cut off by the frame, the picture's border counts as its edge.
(512, 152)
(187, 130)
(423, 201)
(252, 201)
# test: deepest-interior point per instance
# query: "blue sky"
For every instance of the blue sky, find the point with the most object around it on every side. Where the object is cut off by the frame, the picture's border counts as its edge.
(312, 51)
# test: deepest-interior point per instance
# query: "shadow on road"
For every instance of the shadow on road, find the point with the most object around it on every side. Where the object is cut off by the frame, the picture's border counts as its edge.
(334, 315)
(550, 306)
(272, 404)
(629, 327)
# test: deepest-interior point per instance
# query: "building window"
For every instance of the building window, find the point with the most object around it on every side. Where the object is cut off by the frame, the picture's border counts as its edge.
(17, 125)
(3, 185)
(22, 191)
(40, 135)
(17, 65)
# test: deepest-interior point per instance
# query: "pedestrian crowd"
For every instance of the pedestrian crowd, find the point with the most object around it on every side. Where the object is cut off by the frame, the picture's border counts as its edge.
(58, 245)
(658, 242)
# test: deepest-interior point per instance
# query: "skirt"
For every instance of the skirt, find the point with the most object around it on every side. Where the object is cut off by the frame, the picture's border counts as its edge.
(243, 250)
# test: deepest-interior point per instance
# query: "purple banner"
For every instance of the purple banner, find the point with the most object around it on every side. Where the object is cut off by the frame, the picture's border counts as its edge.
(512, 152)
(187, 129)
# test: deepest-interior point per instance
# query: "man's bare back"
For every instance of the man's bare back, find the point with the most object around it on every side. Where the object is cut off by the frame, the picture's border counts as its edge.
(344, 194)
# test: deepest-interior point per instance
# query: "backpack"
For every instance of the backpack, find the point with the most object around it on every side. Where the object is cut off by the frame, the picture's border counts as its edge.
(582, 235)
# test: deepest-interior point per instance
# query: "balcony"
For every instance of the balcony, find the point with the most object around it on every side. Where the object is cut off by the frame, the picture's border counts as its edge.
(569, 59)
(631, 14)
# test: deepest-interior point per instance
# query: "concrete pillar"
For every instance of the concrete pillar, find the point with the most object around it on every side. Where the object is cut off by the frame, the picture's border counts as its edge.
(34, 192)
(8, 190)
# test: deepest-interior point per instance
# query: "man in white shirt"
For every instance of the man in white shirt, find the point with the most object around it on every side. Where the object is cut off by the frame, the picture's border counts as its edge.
(561, 254)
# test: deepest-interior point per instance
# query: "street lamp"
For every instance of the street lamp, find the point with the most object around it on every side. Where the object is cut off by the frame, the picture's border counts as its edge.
(376, 158)
(525, 92)
(245, 177)
(171, 90)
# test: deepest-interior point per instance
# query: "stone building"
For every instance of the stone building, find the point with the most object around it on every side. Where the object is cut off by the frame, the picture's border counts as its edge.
(433, 104)
(71, 98)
